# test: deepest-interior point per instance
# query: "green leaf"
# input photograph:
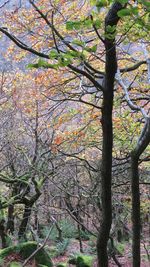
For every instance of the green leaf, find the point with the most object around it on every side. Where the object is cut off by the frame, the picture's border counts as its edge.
(78, 42)
(111, 29)
(146, 3)
(73, 25)
(41, 7)
(110, 35)
(124, 12)
(30, 66)
(91, 49)
(69, 25)
(53, 54)
(94, 48)
(135, 10)
(63, 62)
(123, 1)
(74, 54)
(101, 3)
(93, 2)
(42, 64)
(97, 23)
(76, 25)
(87, 23)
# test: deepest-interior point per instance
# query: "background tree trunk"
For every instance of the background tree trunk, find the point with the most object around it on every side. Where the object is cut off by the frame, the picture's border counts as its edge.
(10, 222)
(143, 142)
(3, 234)
(136, 222)
(25, 219)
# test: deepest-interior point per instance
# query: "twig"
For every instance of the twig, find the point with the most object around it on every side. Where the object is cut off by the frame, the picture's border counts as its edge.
(4, 3)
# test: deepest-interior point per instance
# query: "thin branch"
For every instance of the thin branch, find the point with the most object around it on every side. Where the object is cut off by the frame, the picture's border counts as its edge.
(22, 45)
(127, 97)
(133, 67)
(6, 2)
(144, 138)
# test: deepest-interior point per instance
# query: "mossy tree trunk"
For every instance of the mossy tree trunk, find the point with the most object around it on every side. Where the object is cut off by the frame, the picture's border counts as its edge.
(24, 223)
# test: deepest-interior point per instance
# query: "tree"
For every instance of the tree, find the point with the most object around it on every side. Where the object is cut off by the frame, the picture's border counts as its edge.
(142, 144)
(25, 153)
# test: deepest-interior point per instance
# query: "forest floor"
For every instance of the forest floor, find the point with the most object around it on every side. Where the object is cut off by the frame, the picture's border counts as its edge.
(73, 249)
(124, 260)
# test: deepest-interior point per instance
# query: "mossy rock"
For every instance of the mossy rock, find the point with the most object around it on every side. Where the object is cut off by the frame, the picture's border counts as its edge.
(15, 264)
(72, 261)
(25, 250)
(62, 264)
(82, 261)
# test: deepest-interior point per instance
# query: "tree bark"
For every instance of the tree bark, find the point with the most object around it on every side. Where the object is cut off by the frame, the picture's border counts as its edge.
(143, 142)
(136, 222)
(75, 212)
(3, 234)
(24, 223)
(106, 166)
(10, 222)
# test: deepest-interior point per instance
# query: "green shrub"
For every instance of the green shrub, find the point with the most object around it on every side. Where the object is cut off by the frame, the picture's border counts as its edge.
(68, 229)
(120, 247)
(62, 246)
(45, 230)
(85, 236)
(52, 251)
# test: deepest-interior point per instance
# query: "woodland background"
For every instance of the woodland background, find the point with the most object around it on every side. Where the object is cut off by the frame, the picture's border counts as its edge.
(75, 132)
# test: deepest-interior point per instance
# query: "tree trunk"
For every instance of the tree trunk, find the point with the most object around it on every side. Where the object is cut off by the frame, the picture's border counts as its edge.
(3, 234)
(136, 222)
(74, 212)
(25, 219)
(106, 180)
(10, 222)
(143, 142)
(60, 235)
(106, 167)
